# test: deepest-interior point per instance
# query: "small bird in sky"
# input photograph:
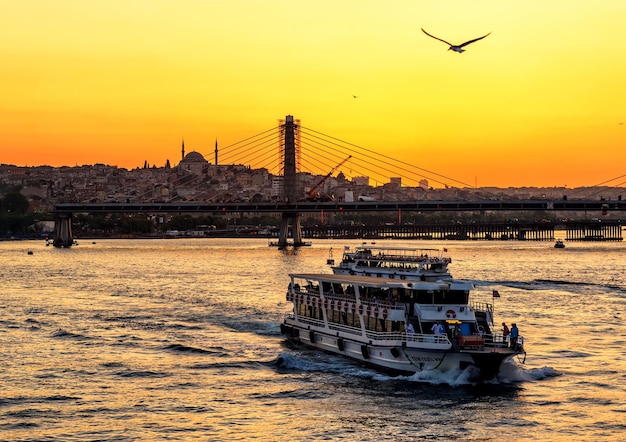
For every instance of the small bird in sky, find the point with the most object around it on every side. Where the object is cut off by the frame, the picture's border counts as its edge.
(456, 48)
(354, 96)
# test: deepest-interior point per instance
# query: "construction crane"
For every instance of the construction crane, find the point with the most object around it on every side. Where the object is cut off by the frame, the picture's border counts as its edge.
(313, 194)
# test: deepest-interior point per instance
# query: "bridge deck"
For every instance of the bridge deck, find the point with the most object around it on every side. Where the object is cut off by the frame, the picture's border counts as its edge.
(369, 206)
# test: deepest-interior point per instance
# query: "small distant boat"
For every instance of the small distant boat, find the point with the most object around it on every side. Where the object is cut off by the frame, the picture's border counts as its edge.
(394, 262)
(30, 252)
(559, 244)
(390, 324)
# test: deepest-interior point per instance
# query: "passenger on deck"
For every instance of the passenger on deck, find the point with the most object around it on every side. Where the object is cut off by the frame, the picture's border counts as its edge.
(409, 329)
(438, 329)
(456, 332)
(514, 335)
(505, 330)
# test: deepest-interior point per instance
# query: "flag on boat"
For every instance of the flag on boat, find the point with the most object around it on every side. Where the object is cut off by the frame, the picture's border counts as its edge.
(445, 250)
(496, 294)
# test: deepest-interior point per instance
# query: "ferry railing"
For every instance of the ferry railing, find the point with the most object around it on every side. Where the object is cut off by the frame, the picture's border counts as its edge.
(319, 323)
(405, 258)
(390, 306)
(345, 329)
(498, 340)
(418, 338)
(481, 306)
(307, 320)
(341, 298)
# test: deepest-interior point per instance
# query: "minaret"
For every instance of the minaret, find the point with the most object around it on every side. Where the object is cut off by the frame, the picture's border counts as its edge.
(183, 149)
(216, 151)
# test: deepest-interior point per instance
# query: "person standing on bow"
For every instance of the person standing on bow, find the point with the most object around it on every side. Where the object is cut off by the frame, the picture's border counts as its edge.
(514, 335)
(505, 332)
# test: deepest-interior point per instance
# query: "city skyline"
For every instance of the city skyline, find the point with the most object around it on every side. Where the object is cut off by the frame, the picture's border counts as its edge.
(539, 103)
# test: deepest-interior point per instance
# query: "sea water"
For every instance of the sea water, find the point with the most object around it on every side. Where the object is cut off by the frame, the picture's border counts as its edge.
(147, 340)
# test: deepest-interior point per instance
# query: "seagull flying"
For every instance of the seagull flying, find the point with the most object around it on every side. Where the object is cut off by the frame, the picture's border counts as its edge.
(456, 48)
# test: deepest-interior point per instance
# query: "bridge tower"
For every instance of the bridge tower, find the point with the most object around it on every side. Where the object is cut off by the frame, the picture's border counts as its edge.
(290, 222)
(63, 230)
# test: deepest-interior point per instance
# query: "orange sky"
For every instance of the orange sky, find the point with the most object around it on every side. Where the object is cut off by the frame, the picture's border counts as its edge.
(539, 102)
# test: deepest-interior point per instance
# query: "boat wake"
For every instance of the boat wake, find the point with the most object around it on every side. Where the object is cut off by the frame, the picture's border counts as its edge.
(551, 284)
(510, 372)
(330, 364)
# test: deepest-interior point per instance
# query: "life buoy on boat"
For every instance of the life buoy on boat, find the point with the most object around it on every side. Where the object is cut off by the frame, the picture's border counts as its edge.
(451, 314)
(325, 303)
(353, 307)
(376, 312)
(360, 309)
(319, 302)
(346, 306)
(308, 300)
(385, 313)
(369, 310)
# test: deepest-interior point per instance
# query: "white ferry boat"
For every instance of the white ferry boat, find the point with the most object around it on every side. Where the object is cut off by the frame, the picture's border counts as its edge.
(394, 262)
(388, 323)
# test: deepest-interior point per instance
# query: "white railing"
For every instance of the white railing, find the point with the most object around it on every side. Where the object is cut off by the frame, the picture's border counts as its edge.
(345, 329)
(481, 306)
(498, 340)
(409, 337)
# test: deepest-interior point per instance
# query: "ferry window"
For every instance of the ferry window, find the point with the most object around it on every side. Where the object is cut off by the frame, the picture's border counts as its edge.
(426, 297)
(441, 298)
(407, 295)
(455, 296)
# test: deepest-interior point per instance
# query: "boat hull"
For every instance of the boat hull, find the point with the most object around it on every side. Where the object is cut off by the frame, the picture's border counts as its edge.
(401, 357)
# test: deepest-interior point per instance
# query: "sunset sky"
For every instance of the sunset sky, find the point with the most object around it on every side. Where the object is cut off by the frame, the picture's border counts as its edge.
(539, 102)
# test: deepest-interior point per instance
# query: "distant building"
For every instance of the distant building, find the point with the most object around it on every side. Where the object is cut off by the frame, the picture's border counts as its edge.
(361, 180)
(195, 163)
(277, 186)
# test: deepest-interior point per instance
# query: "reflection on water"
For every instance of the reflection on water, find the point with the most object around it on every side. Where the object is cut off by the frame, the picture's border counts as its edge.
(179, 339)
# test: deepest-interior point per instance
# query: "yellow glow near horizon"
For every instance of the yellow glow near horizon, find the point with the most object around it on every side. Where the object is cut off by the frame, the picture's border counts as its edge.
(540, 102)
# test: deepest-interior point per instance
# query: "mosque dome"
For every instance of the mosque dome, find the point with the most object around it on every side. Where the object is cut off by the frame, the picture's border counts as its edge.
(194, 157)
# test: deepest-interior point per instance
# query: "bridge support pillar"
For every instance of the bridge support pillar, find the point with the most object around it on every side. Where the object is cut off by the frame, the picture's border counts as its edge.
(290, 223)
(63, 230)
